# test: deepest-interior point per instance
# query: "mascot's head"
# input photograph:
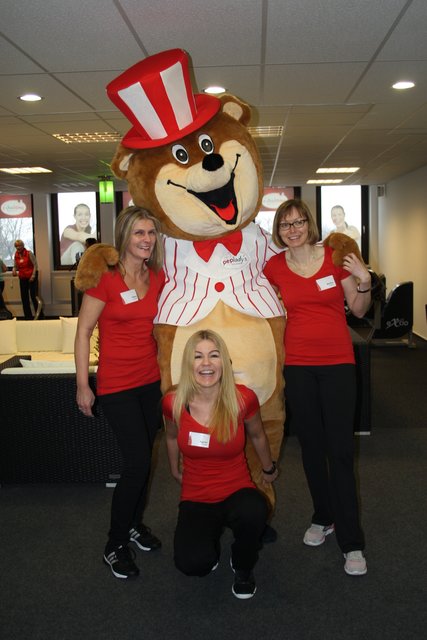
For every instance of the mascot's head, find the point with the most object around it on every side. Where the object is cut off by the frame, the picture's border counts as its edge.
(188, 158)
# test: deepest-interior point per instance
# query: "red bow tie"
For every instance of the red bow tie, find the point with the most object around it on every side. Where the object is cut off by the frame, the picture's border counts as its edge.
(232, 242)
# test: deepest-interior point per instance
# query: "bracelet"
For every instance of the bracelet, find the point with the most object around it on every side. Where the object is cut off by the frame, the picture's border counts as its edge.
(272, 470)
(363, 290)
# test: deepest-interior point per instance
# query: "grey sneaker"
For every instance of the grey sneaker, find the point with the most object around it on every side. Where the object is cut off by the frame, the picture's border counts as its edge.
(355, 563)
(316, 534)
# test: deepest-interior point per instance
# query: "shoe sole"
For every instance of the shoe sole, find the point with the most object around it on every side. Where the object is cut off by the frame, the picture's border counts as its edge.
(243, 596)
(121, 576)
(317, 544)
(140, 546)
(356, 573)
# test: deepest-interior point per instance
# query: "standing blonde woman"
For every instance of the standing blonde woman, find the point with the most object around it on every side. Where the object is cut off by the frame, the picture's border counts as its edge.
(124, 305)
(207, 418)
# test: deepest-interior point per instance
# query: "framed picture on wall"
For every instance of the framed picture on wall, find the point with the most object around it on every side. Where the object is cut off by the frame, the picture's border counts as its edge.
(16, 222)
(345, 208)
(75, 218)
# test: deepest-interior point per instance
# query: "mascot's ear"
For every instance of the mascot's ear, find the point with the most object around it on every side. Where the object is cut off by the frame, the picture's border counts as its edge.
(342, 245)
(94, 262)
(120, 163)
(236, 109)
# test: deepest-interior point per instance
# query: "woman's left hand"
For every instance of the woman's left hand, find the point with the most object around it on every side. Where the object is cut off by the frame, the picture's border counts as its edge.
(353, 265)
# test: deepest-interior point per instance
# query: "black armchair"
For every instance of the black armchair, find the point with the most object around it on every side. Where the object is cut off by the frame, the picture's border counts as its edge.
(393, 319)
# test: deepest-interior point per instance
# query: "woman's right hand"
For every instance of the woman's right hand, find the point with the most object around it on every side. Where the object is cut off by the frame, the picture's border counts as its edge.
(85, 400)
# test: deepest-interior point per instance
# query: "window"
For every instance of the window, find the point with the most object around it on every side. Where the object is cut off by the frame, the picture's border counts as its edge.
(16, 222)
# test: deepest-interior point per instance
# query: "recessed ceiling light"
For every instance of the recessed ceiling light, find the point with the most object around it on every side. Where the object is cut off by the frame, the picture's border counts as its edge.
(337, 170)
(214, 89)
(404, 84)
(326, 181)
(30, 97)
(19, 170)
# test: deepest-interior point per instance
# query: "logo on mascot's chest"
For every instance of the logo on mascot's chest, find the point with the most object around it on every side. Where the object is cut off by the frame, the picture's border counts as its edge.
(234, 262)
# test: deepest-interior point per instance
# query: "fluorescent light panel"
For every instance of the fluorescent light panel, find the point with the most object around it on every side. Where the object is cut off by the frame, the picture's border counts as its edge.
(266, 132)
(337, 169)
(22, 170)
(325, 181)
(86, 138)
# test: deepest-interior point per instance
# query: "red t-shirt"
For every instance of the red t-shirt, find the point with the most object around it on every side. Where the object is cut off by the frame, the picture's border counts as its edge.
(316, 328)
(127, 349)
(213, 473)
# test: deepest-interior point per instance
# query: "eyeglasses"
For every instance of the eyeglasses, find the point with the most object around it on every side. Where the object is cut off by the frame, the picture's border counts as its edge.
(297, 224)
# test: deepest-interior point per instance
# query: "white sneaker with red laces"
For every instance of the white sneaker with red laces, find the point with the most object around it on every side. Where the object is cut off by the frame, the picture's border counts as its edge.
(355, 563)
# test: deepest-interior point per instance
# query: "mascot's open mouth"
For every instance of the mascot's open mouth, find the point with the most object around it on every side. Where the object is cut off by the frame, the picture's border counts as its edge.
(221, 201)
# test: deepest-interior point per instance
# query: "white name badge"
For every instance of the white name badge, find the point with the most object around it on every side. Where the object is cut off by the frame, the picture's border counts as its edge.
(129, 296)
(199, 439)
(326, 283)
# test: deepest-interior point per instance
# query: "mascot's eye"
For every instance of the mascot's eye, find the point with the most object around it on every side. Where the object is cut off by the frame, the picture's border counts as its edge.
(180, 153)
(206, 144)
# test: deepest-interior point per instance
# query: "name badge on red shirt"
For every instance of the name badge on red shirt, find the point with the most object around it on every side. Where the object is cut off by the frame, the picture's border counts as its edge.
(199, 439)
(327, 282)
(129, 296)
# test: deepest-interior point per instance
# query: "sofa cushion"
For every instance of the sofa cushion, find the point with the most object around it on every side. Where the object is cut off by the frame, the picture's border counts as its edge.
(41, 364)
(38, 335)
(69, 327)
(19, 371)
(8, 336)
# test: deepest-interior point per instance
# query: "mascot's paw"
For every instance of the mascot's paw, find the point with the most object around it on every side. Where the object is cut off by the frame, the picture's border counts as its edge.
(94, 262)
(341, 245)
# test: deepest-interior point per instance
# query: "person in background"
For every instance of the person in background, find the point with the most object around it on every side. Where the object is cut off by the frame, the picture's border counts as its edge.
(124, 305)
(341, 226)
(3, 270)
(74, 236)
(320, 371)
(25, 267)
(207, 418)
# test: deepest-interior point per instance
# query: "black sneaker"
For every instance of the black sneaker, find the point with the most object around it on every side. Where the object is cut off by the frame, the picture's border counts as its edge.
(143, 538)
(244, 586)
(121, 562)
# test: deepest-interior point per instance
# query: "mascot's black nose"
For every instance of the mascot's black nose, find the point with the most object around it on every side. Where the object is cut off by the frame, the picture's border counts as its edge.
(212, 162)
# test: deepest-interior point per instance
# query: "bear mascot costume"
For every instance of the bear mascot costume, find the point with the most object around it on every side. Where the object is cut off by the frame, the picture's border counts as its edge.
(190, 160)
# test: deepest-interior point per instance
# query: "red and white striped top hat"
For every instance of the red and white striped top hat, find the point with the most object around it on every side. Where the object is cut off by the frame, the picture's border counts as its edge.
(156, 97)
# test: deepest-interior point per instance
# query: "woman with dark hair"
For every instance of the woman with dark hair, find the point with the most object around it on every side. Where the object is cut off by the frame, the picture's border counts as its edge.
(207, 417)
(124, 305)
(320, 371)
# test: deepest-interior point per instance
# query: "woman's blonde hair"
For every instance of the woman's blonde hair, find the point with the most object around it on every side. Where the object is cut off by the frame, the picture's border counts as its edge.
(123, 229)
(284, 211)
(224, 420)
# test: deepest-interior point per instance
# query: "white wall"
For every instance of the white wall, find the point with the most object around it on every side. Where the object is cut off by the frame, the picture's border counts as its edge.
(402, 239)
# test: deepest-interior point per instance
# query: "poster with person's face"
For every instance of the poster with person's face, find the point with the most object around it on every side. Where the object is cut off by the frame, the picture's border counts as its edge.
(341, 209)
(76, 223)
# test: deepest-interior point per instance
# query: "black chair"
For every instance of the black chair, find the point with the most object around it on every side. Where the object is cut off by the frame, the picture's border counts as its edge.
(393, 319)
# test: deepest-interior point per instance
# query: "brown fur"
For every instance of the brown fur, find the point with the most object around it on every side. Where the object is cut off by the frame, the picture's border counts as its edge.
(94, 262)
(342, 245)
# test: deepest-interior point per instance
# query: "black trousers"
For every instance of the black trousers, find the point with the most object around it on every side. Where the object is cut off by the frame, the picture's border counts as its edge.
(29, 289)
(134, 417)
(200, 525)
(321, 401)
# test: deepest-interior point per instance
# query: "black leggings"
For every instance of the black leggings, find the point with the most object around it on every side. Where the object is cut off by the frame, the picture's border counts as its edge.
(134, 417)
(200, 525)
(321, 402)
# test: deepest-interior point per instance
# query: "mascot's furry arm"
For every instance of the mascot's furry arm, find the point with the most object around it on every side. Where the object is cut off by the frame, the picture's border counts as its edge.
(94, 262)
(341, 245)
